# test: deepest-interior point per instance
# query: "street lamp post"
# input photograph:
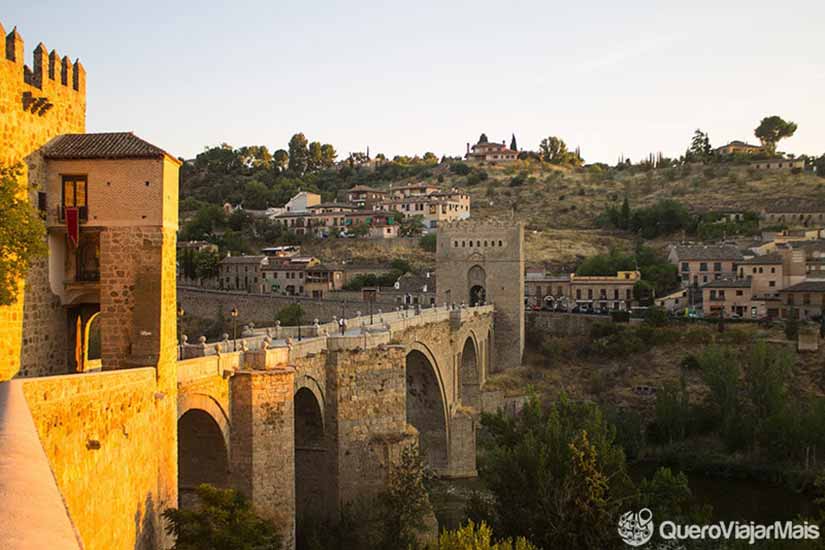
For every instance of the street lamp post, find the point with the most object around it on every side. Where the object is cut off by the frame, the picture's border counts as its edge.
(181, 313)
(234, 314)
(300, 317)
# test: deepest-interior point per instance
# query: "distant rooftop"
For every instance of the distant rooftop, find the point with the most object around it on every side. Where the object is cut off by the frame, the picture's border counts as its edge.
(806, 286)
(111, 145)
(728, 283)
(763, 260)
(708, 252)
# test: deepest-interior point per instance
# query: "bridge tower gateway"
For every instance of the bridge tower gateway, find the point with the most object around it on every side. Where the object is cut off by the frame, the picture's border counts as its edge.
(483, 262)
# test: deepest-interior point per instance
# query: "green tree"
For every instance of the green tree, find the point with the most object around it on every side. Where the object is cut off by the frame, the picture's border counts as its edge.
(513, 144)
(553, 150)
(222, 520)
(483, 138)
(624, 215)
(700, 149)
(256, 195)
(792, 325)
(672, 411)
(411, 226)
(22, 234)
(314, 157)
(721, 374)
(298, 154)
(328, 155)
(428, 242)
(767, 371)
(358, 230)
(772, 129)
(556, 474)
(206, 264)
(291, 315)
(280, 159)
(477, 537)
(430, 158)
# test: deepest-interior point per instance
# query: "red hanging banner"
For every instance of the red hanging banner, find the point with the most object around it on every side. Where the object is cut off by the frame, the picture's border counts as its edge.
(73, 224)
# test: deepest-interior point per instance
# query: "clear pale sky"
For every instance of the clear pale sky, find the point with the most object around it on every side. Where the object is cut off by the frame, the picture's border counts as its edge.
(612, 77)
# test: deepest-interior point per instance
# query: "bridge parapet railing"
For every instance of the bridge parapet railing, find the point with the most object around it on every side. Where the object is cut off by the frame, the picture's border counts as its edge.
(318, 336)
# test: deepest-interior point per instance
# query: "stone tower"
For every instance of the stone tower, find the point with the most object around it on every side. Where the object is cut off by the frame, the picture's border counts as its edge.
(483, 262)
(37, 103)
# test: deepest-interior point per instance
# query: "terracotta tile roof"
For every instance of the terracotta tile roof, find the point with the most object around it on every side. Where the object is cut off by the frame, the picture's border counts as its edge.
(707, 252)
(112, 145)
(763, 260)
(728, 283)
(243, 260)
(806, 286)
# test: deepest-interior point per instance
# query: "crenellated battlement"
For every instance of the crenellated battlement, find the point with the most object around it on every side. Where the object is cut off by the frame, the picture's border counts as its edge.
(476, 225)
(48, 70)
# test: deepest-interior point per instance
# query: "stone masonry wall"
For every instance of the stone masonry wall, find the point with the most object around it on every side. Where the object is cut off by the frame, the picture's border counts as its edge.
(369, 391)
(36, 104)
(100, 433)
(262, 439)
(261, 309)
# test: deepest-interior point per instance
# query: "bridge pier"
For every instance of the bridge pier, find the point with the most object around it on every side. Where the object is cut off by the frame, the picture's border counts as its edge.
(461, 460)
(263, 446)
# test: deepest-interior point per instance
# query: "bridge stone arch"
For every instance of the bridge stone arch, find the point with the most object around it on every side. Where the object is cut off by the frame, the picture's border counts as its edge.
(203, 445)
(470, 373)
(314, 479)
(426, 404)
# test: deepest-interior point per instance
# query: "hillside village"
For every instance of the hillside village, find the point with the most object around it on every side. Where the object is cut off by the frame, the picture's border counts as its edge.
(293, 349)
(742, 236)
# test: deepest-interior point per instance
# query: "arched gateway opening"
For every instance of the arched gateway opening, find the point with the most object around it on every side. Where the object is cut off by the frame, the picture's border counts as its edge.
(202, 455)
(311, 467)
(469, 375)
(426, 409)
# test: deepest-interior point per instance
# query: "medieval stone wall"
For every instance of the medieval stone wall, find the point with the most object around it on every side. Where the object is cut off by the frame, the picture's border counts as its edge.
(36, 104)
(564, 324)
(203, 304)
(101, 435)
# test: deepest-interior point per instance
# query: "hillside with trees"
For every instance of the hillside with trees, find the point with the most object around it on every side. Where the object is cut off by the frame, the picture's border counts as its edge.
(572, 209)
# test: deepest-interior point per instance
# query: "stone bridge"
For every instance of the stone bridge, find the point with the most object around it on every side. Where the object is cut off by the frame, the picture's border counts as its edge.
(305, 425)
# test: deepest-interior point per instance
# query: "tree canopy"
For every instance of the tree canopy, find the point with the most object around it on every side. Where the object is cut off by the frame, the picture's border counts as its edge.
(22, 234)
(772, 129)
(222, 520)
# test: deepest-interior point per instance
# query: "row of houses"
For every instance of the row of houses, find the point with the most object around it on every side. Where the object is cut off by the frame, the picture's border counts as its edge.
(380, 211)
(783, 280)
(283, 270)
(592, 293)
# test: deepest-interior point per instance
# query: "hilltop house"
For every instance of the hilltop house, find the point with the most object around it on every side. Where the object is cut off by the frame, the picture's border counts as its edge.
(737, 147)
(490, 152)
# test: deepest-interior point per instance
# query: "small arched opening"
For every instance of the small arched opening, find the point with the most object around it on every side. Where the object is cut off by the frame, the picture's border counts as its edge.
(477, 283)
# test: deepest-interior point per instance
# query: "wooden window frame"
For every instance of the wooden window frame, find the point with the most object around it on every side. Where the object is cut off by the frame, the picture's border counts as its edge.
(82, 210)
